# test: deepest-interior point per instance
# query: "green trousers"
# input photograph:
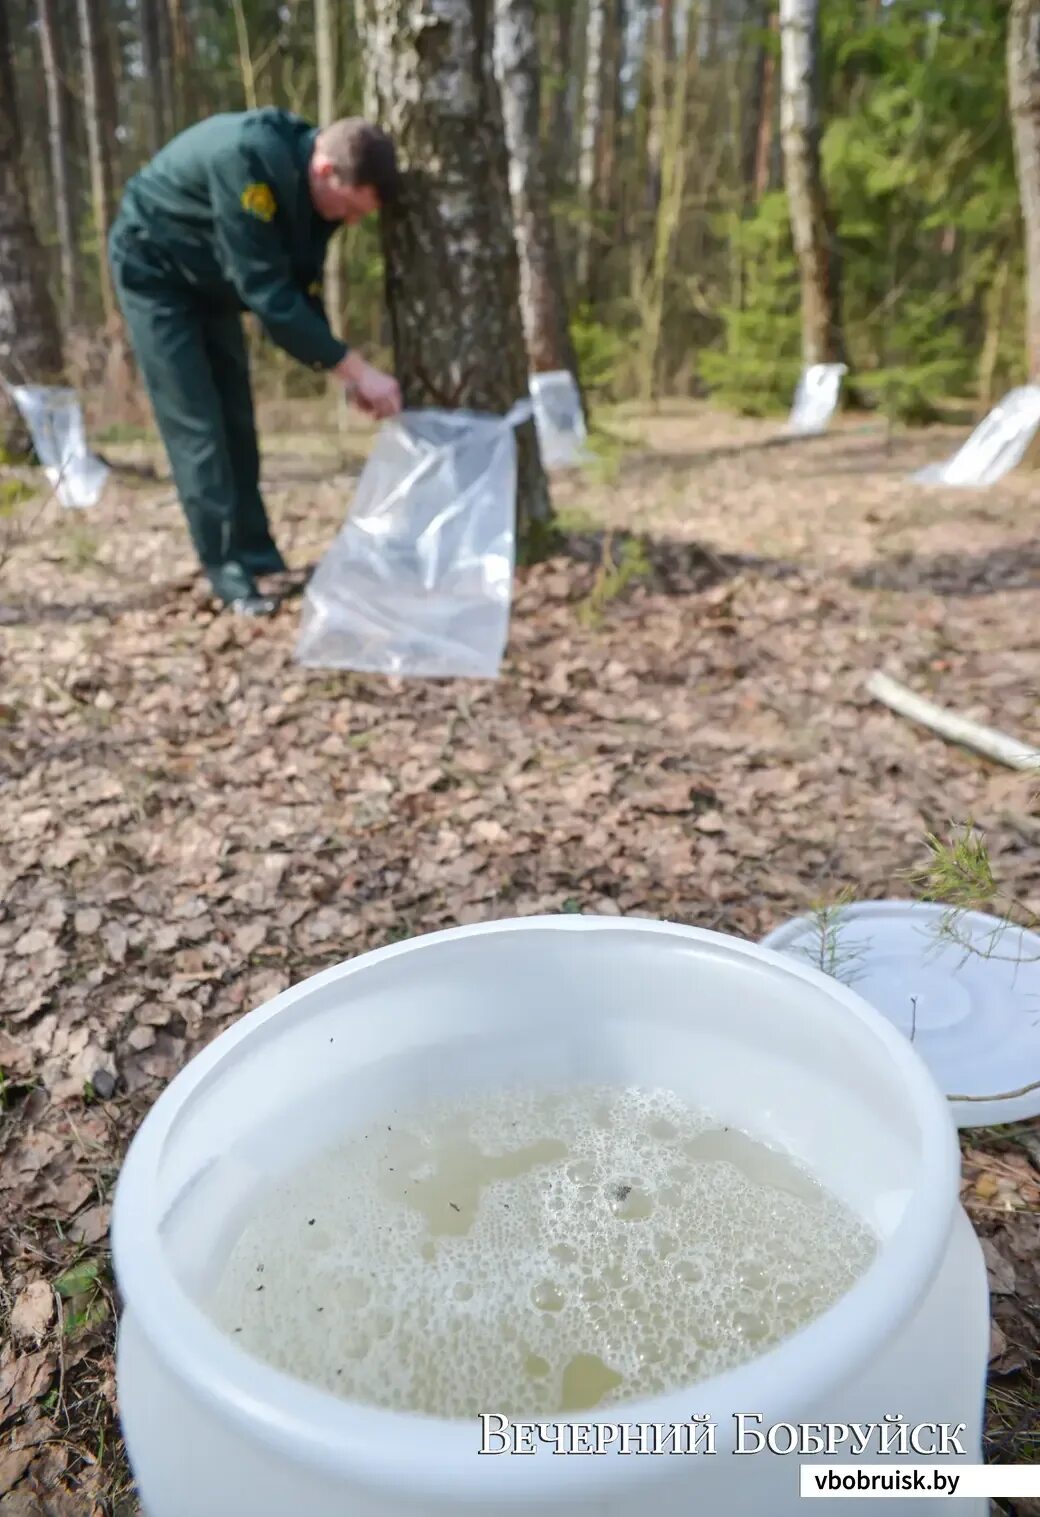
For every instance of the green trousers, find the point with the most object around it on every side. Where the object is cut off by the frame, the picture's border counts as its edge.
(194, 363)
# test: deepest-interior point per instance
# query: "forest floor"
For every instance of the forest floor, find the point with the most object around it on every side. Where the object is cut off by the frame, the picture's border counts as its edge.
(191, 822)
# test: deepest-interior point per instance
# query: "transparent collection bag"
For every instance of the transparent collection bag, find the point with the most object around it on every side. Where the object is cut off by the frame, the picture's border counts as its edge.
(559, 419)
(54, 417)
(997, 445)
(816, 398)
(419, 580)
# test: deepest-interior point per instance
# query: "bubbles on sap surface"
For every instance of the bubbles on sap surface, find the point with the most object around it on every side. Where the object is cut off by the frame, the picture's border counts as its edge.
(539, 1254)
(547, 1296)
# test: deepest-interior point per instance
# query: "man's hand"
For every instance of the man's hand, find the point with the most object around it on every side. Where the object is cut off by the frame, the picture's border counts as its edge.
(374, 393)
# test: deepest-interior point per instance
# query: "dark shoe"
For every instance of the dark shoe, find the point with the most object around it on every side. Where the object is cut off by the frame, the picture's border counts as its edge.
(287, 586)
(233, 583)
(254, 605)
(268, 561)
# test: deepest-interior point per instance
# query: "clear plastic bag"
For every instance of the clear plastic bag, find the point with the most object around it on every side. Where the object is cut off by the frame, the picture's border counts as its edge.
(559, 419)
(55, 420)
(419, 580)
(997, 445)
(816, 398)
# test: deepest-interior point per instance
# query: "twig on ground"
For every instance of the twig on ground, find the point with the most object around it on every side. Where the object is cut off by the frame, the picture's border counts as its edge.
(60, 1330)
(957, 729)
(1001, 1095)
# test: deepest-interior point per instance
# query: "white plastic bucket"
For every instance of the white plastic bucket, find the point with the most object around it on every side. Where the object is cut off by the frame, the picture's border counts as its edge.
(768, 1044)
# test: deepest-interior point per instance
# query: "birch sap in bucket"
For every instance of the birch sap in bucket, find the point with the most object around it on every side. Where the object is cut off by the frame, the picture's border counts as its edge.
(538, 1253)
(561, 1169)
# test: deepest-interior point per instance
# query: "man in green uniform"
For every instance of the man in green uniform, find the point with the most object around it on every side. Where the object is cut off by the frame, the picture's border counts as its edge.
(235, 214)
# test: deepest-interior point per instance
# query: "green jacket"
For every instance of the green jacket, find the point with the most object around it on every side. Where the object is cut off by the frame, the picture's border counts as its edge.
(226, 206)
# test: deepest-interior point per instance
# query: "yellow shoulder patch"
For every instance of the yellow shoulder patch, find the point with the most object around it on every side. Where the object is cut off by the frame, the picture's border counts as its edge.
(316, 288)
(259, 201)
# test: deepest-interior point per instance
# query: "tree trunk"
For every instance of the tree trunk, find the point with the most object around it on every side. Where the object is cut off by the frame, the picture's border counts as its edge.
(111, 69)
(182, 93)
(100, 133)
(821, 323)
(609, 156)
(762, 115)
(1023, 70)
(122, 398)
(650, 289)
(30, 343)
(166, 68)
(542, 305)
(660, 66)
(591, 118)
(245, 55)
(562, 117)
(452, 271)
(996, 309)
(59, 132)
(325, 57)
(152, 59)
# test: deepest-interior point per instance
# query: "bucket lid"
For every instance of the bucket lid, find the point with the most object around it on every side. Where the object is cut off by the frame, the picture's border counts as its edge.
(968, 997)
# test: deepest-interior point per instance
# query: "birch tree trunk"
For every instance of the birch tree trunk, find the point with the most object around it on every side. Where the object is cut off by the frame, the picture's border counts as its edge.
(30, 343)
(452, 271)
(591, 119)
(59, 135)
(543, 307)
(800, 131)
(1023, 71)
(325, 34)
(100, 133)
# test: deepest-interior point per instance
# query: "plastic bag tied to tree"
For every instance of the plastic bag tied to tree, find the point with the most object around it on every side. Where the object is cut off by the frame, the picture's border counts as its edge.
(419, 580)
(54, 417)
(997, 445)
(559, 419)
(816, 398)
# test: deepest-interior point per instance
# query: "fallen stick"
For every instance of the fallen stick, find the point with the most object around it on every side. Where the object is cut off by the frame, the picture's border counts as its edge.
(1002, 1095)
(957, 729)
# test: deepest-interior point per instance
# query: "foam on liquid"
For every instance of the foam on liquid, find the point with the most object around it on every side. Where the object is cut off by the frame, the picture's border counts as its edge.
(535, 1255)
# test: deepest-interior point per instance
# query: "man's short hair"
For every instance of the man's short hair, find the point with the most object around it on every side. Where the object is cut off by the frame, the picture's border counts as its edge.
(361, 154)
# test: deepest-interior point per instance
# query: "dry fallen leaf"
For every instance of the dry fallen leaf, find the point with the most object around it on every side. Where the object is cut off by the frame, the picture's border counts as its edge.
(114, 938)
(13, 1465)
(249, 938)
(33, 1311)
(998, 1268)
(997, 1341)
(43, 1502)
(24, 1380)
(36, 941)
(91, 1225)
(64, 1194)
(15, 1058)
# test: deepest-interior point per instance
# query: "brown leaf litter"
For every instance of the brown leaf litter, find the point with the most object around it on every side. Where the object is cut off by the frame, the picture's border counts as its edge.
(191, 823)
